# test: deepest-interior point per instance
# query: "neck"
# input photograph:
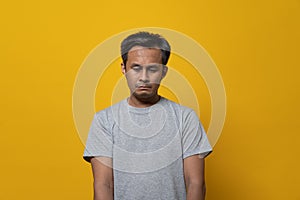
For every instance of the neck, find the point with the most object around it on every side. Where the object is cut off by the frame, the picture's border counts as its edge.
(143, 103)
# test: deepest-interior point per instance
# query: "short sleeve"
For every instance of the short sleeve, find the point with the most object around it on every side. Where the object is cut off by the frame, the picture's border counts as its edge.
(194, 138)
(99, 141)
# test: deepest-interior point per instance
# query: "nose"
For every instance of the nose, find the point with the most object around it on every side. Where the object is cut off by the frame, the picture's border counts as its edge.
(144, 77)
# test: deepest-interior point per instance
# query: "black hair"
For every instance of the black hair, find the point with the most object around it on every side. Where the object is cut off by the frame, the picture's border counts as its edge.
(146, 39)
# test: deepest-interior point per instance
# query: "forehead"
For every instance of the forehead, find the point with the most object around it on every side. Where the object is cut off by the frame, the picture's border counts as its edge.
(144, 55)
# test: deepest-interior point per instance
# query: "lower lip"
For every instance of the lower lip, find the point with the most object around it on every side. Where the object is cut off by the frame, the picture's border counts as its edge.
(143, 88)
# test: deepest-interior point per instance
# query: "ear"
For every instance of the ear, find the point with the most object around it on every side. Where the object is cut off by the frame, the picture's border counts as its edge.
(165, 70)
(123, 68)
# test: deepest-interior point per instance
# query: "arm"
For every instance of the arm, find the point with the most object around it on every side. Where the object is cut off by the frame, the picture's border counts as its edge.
(103, 178)
(194, 177)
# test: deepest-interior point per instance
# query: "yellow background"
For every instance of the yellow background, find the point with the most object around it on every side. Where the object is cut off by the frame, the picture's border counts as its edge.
(255, 45)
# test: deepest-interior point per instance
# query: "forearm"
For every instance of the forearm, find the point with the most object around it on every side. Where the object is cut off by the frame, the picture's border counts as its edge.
(103, 178)
(103, 192)
(196, 191)
(194, 178)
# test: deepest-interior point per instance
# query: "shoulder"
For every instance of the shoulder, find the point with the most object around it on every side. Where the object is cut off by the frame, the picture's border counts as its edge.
(107, 113)
(186, 116)
(184, 110)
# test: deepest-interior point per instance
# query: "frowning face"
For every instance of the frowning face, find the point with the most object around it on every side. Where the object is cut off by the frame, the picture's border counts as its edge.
(144, 71)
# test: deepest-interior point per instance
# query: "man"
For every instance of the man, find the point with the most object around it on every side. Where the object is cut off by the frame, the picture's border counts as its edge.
(147, 147)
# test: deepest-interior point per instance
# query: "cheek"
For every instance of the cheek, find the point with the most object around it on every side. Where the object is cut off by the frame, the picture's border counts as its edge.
(156, 79)
(131, 80)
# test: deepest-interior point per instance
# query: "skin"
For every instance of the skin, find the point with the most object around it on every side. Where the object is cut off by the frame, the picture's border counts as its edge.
(144, 72)
(194, 177)
(103, 178)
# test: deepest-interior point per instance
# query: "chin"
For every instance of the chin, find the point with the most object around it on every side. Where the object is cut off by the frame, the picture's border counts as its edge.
(143, 96)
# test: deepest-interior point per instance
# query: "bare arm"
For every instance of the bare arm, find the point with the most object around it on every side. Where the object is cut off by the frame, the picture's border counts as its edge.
(194, 177)
(103, 178)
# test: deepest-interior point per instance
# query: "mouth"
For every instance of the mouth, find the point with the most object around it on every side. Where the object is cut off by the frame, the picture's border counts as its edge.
(143, 87)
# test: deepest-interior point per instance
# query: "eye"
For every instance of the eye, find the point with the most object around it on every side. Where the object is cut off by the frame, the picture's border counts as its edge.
(136, 68)
(153, 69)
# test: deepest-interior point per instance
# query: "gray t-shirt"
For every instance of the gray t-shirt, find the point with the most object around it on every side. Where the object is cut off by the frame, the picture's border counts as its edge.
(147, 146)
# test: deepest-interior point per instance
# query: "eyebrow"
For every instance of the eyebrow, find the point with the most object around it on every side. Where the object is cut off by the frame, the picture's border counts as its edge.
(147, 66)
(135, 65)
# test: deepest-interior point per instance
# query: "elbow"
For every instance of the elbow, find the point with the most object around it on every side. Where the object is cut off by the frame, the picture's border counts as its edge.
(201, 186)
(103, 191)
(203, 189)
(198, 186)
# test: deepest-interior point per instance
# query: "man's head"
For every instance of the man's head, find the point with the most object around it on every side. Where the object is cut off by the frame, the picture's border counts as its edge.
(148, 40)
(145, 56)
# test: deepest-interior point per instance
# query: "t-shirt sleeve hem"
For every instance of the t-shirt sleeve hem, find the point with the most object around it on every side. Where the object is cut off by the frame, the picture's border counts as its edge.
(203, 154)
(88, 158)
